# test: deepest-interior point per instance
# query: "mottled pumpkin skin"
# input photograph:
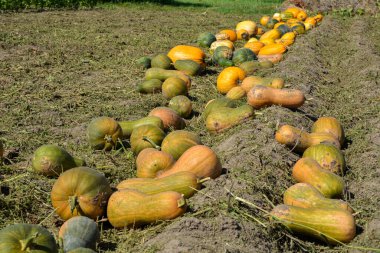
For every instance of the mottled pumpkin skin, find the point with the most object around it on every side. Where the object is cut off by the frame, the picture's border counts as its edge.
(138, 141)
(103, 133)
(161, 61)
(336, 223)
(150, 86)
(181, 105)
(79, 232)
(177, 142)
(329, 125)
(150, 162)
(163, 74)
(80, 191)
(206, 39)
(130, 208)
(128, 126)
(173, 86)
(328, 156)
(19, 238)
(169, 117)
(215, 104)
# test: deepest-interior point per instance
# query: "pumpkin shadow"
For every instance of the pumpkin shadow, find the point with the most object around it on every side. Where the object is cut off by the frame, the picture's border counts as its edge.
(105, 246)
(207, 72)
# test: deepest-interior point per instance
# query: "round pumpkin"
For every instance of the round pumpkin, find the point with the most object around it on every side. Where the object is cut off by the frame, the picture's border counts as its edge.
(298, 28)
(79, 232)
(286, 15)
(182, 105)
(220, 43)
(151, 162)
(161, 61)
(144, 62)
(229, 78)
(242, 55)
(331, 126)
(254, 46)
(80, 191)
(247, 25)
(222, 52)
(242, 34)
(177, 142)
(311, 20)
(232, 36)
(51, 160)
(264, 20)
(283, 29)
(169, 117)
(103, 133)
(302, 15)
(173, 86)
(146, 136)
(206, 39)
(26, 238)
(293, 10)
(318, 17)
(183, 52)
(271, 23)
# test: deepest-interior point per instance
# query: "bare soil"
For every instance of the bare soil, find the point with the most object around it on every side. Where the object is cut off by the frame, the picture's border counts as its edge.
(61, 69)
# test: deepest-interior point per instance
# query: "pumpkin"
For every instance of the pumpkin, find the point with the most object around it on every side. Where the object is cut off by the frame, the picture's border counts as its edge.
(146, 136)
(144, 62)
(51, 160)
(26, 238)
(130, 208)
(103, 133)
(206, 39)
(181, 105)
(251, 81)
(277, 16)
(308, 26)
(173, 86)
(329, 125)
(298, 28)
(225, 63)
(200, 160)
(317, 222)
(266, 64)
(161, 61)
(229, 78)
(254, 46)
(150, 86)
(163, 74)
(177, 142)
(292, 21)
(231, 34)
(260, 31)
(307, 170)
(169, 117)
(219, 43)
(260, 96)
(128, 126)
(293, 10)
(222, 52)
(271, 34)
(277, 83)
(311, 20)
(272, 49)
(267, 42)
(252, 39)
(283, 29)
(247, 25)
(216, 104)
(81, 250)
(287, 39)
(302, 15)
(242, 55)
(183, 52)
(300, 140)
(250, 67)
(306, 196)
(79, 232)
(151, 161)
(222, 36)
(236, 93)
(278, 24)
(274, 58)
(224, 118)
(183, 182)
(318, 17)
(80, 191)
(271, 23)
(188, 67)
(286, 15)
(328, 156)
(242, 34)
(264, 20)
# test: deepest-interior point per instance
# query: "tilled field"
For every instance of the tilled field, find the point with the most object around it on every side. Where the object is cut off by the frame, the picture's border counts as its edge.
(61, 69)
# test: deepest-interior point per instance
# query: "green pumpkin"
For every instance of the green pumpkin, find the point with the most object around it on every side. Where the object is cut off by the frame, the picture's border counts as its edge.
(271, 23)
(242, 55)
(188, 67)
(177, 142)
(144, 62)
(128, 126)
(146, 136)
(266, 64)
(174, 86)
(51, 160)
(217, 103)
(286, 16)
(220, 53)
(79, 232)
(182, 105)
(283, 29)
(250, 67)
(298, 28)
(103, 133)
(19, 238)
(150, 86)
(206, 39)
(161, 61)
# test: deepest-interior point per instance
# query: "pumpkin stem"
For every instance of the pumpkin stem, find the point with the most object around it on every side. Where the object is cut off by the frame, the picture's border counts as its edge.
(151, 142)
(201, 181)
(181, 202)
(25, 244)
(73, 202)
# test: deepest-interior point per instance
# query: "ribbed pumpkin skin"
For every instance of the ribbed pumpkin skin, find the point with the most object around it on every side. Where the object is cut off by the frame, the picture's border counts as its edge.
(173, 86)
(130, 208)
(103, 133)
(150, 162)
(183, 182)
(177, 142)
(149, 86)
(224, 118)
(271, 34)
(328, 156)
(128, 126)
(219, 43)
(200, 160)
(300, 140)
(79, 232)
(242, 55)
(272, 49)
(247, 25)
(169, 118)
(161, 61)
(236, 93)
(335, 223)
(163, 74)
(222, 52)
(329, 125)
(188, 67)
(181, 105)
(307, 170)
(88, 187)
(260, 96)
(183, 52)
(153, 133)
(14, 237)
(206, 39)
(51, 160)
(229, 78)
(306, 196)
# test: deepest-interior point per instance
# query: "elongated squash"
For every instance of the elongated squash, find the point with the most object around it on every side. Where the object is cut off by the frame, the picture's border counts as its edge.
(184, 52)
(271, 34)
(272, 49)
(128, 126)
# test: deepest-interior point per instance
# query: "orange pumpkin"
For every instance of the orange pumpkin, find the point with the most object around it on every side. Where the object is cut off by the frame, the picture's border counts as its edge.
(219, 43)
(264, 20)
(302, 15)
(242, 34)
(271, 34)
(294, 10)
(274, 58)
(254, 46)
(169, 117)
(183, 52)
(229, 78)
(232, 36)
(311, 20)
(272, 49)
(150, 162)
(329, 125)
(247, 25)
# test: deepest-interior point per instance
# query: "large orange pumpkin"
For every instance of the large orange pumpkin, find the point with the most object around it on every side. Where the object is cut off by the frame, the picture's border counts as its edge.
(254, 46)
(247, 25)
(229, 78)
(183, 52)
(231, 34)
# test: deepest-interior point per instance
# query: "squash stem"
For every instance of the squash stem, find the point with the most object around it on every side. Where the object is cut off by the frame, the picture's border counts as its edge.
(201, 181)
(145, 138)
(73, 201)
(26, 243)
(181, 202)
